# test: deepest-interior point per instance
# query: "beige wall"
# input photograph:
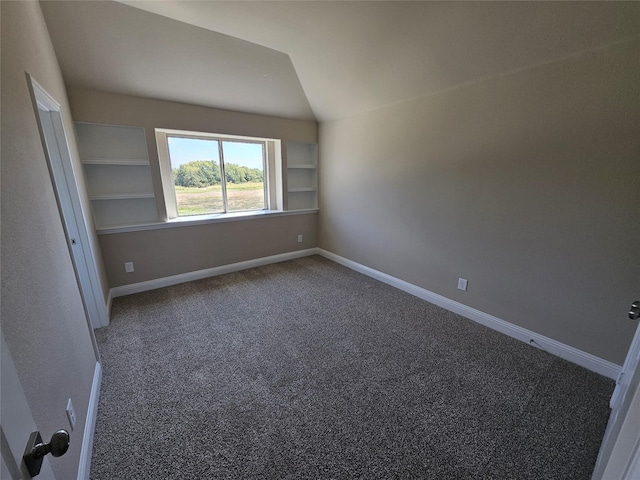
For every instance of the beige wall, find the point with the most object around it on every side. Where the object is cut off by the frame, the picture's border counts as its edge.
(171, 251)
(164, 252)
(526, 185)
(43, 319)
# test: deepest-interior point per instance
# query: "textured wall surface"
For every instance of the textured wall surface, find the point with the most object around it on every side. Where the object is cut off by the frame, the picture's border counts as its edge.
(43, 319)
(525, 184)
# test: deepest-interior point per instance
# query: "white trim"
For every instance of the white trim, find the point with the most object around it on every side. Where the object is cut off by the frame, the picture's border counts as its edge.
(583, 359)
(621, 404)
(207, 272)
(109, 302)
(213, 136)
(633, 469)
(84, 467)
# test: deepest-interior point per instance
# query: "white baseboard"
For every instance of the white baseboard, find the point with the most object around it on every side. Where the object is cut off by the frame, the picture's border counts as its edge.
(583, 359)
(84, 467)
(206, 273)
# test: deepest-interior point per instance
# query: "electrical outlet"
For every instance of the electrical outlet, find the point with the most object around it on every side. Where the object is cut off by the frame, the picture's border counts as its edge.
(71, 414)
(128, 267)
(299, 238)
(462, 284)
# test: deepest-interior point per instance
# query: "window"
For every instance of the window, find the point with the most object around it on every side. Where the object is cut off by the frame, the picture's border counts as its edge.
(206, 174)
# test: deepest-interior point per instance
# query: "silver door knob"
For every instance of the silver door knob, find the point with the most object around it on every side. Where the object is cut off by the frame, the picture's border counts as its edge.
(634, 313)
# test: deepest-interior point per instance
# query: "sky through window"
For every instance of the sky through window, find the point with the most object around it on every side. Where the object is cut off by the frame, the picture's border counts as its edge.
(184, 150)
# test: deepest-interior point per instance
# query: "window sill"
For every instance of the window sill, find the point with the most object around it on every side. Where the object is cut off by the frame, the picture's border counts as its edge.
(203, 220)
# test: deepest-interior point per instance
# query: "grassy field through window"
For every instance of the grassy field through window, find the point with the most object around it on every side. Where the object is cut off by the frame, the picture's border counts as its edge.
(208, 200)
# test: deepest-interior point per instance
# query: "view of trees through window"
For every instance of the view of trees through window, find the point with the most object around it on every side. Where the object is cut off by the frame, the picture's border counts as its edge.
(200, 187)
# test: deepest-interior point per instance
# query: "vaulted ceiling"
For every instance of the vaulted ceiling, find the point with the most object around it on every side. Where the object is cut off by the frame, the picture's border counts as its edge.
(316, 59)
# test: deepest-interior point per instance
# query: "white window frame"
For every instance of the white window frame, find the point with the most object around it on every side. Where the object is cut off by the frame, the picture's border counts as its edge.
(272, 164)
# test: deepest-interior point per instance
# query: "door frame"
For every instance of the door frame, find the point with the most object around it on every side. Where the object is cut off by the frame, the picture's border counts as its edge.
(63, 177)
(621, 416)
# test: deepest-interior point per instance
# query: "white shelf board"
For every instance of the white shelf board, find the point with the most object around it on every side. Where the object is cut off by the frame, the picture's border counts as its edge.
(305, 165)
(126, 227)
(122, 196)
(302, 189)
(115, 161)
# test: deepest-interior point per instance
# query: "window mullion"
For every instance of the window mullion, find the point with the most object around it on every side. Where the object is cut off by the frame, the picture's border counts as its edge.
(265, 177)
(223, 178)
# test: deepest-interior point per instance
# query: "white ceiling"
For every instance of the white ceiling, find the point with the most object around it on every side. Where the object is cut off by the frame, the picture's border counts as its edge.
(343, 57)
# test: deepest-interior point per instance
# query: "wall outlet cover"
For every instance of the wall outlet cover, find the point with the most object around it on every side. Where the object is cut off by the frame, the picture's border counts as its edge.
(71, 414)
(462, 284)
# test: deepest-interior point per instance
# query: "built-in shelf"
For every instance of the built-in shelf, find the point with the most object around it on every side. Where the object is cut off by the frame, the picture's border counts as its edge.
(117, 173)
(302, 176)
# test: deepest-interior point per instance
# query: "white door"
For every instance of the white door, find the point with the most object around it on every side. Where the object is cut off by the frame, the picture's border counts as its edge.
(64, 181)
(17, 423)
(619, 457)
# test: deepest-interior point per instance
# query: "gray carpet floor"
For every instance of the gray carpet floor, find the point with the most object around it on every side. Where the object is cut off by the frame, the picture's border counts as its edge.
(308, 370)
